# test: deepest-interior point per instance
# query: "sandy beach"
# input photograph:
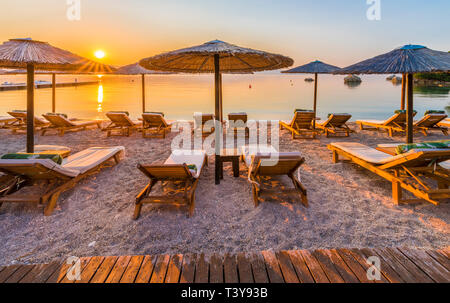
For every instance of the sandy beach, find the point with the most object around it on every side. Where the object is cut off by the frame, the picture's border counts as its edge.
(349, 207)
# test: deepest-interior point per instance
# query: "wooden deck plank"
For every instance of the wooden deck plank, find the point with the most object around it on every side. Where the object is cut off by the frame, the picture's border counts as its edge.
(287, 269)
(244, 269)
(442, 259)
(272, 266)
(418, 275)
(188, 268)
(160, 270)
(259, 268)
(386, 269)
(174, 269)
(19, 274)
(396, 265)
(7, 272)
(129, 276)
(216, 273)
(119, 268)
(300, 267)
(146, 271)
(104, 270)
(327, 266)
(359, 256)
(341, 267)
(354, 265)
(445, 252)
(90, 270)
(230, 269)
(41, 273)
(314, 267)
(201, 269)
(427, 264)
(63, 278)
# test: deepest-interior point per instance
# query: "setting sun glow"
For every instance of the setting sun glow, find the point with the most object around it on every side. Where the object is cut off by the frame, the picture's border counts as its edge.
(100, 54)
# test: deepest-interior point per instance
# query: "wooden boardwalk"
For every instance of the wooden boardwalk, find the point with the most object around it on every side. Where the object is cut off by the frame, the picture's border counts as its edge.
(398, 265)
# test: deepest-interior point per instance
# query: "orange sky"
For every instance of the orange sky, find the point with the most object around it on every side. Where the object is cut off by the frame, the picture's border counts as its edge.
(336, 32)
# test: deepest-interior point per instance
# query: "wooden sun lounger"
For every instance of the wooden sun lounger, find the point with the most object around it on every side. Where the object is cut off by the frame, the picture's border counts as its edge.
(61, 124)
(416, 171)
(21, 122)
(199, 124)
(288, 164)
(396, 123)
(431, 122)
(154, 126)
(43, 181)
(445, 123)
(238, 122)
(175, 169)
(336, 124)
(121, 124)
(301, 125)
(5, 122)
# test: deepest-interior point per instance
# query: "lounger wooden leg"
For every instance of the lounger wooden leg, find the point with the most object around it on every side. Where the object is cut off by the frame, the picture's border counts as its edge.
(444, 131)
(361, 127)
(390, 132)
(396, 190)
(51, 204)
(301, 189)
(335, 156)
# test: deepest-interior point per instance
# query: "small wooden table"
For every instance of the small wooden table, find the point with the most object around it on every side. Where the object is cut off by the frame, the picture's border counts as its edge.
(229, 155)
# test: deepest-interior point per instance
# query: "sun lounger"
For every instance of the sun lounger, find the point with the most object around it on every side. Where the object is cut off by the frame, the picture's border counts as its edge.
(179, 167)
(21, 122)
(237, 122)
(61, 124)
(396, 123)
(336, 124)
(5, 122)
(445, 123)
(301, 125)
(45, 180)
(416, 171)
(204, 124)
(154, 125)
(121, 124)
(286, 164)
(431, 122)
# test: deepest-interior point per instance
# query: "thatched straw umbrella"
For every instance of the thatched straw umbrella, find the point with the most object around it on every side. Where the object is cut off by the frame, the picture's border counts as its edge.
(407, 60)
(136, 69)
(36, 55)
(315, 67)
(216, 57)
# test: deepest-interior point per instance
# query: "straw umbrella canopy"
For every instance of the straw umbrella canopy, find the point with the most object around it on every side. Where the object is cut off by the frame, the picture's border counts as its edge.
(36, 55)
(136, 69)
(406, 60)
(315, 67)
(216, 57)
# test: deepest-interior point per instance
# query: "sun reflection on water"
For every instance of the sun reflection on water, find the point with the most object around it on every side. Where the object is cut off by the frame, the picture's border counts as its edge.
(100, 99)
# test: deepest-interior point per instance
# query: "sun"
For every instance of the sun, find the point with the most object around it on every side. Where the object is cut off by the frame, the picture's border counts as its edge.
(99, 54)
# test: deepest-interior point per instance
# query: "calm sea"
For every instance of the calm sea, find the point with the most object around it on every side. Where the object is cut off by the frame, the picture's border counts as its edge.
(262, 96)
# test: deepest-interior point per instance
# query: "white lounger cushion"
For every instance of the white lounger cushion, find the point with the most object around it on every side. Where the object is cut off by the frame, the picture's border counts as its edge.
(188, 157)
(372, 121)
(5, 119)
(366, 153)
(90, 158)
(250, 150)
(47, 163)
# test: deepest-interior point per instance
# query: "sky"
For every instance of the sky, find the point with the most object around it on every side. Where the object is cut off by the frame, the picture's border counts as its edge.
(334, 31)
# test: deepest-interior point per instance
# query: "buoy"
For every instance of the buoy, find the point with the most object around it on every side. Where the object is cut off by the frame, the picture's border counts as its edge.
(250, 86)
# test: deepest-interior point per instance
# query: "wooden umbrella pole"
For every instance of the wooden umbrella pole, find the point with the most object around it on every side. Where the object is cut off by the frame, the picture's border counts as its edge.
(221, 103)
(409, 110)
(143, 93)
(403, 91)
(217, 113)
(30, 108)
(53, 93)
(315, 99)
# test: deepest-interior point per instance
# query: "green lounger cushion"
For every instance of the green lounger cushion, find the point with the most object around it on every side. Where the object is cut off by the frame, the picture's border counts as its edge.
(403, 111)
(329, 115)
(55, 158)
(119, 112)
(303, 110)
(404, 148)
(157, 113)
(434, 112)
(57, 114)
(192, 167)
